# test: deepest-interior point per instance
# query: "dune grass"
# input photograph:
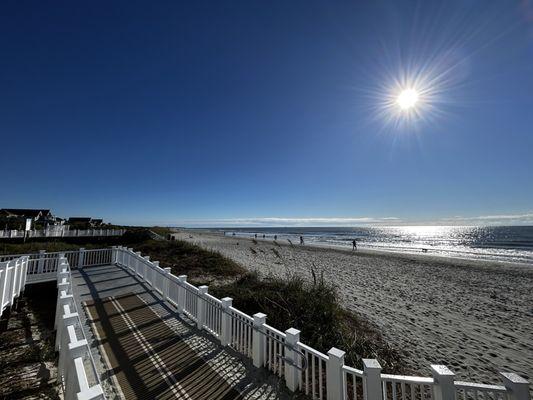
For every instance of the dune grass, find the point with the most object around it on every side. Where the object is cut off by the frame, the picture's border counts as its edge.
(200, 265)
(314, 309)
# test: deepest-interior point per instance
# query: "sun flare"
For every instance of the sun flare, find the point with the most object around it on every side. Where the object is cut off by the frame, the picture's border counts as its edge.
(407, 99)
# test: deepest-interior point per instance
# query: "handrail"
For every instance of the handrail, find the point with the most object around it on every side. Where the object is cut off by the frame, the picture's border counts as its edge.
(72, 349)
(480, 386)
(407, 378)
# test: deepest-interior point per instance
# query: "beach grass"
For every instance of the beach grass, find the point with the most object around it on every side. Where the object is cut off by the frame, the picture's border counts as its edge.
(313, 309)
(200, 265)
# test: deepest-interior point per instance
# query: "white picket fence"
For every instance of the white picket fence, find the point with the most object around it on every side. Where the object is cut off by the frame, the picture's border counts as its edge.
(320, 376)
(13, 274)
(59, 232)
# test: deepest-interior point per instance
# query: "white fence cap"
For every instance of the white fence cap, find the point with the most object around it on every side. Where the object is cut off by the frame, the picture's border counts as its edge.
(441, 370)
(292, 331)
(371, 363)
(513, 377)
(336, 352)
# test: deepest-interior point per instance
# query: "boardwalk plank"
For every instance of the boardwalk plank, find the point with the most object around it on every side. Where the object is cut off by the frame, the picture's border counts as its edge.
(147, 358)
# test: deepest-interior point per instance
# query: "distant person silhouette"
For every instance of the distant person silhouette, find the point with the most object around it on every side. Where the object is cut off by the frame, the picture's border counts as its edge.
(354, 244)
(263, 235)
(275, 237)
(255, 235)
(302, 240)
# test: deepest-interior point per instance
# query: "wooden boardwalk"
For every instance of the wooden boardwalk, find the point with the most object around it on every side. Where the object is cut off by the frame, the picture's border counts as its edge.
(147, 358)
(146, 351)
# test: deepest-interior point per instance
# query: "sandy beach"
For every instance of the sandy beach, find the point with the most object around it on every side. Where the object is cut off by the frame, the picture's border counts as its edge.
(475, 317)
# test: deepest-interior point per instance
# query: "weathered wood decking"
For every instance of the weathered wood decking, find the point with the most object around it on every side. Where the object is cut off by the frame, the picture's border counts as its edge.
(147, 358)
(146, 351)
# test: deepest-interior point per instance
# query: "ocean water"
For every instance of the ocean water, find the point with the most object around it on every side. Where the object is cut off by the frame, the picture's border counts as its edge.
(495, 243)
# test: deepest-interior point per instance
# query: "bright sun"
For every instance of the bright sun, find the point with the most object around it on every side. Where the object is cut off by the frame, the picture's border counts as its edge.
(407, 99)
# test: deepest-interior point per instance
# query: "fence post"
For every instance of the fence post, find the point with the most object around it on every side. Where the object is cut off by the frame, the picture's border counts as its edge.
(24, 272)
(140, 265)
(517, 386)
(114, 255)
(78, 349)
(62, 299)
(14, 282)
(122, 258)
(118, 255)
(259, 340)
(292, 359)
(40, 263)
(443, 388)
(3, 283)
(335, 374)
(371, 379)
(81, 259)
(63, 320)
(200, 310)
(60, 261)
(7, 290)
(181, 293)
(131, 261)
(147, 270)
(225, 336)
(62, 272)
(166, 281)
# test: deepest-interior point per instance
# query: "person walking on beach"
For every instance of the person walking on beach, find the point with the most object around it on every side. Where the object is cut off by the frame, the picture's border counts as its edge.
(302, 240)
(354, 245)
(275, 237)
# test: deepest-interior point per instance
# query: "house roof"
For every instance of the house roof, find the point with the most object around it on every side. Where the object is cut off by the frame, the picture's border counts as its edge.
(26, 212)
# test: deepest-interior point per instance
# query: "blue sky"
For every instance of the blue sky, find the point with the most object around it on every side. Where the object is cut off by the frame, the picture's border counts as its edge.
(234, 113)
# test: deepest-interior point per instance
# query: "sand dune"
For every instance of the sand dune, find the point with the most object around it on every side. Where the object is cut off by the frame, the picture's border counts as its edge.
(475, 317)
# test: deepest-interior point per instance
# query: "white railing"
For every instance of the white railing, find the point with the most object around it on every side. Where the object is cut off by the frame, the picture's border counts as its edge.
(320, 376)
(43, 266)
(475, 391)
(12, 281)
(353, 389)
(240, 330)
(59, 232)
(316, 374)
(313, 378)
(397, 387)
(77, 372)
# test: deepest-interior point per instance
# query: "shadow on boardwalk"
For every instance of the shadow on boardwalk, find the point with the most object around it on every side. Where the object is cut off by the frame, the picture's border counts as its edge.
(145, 350)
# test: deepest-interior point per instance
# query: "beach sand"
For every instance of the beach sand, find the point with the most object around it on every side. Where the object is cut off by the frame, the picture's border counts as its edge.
(475, 317)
